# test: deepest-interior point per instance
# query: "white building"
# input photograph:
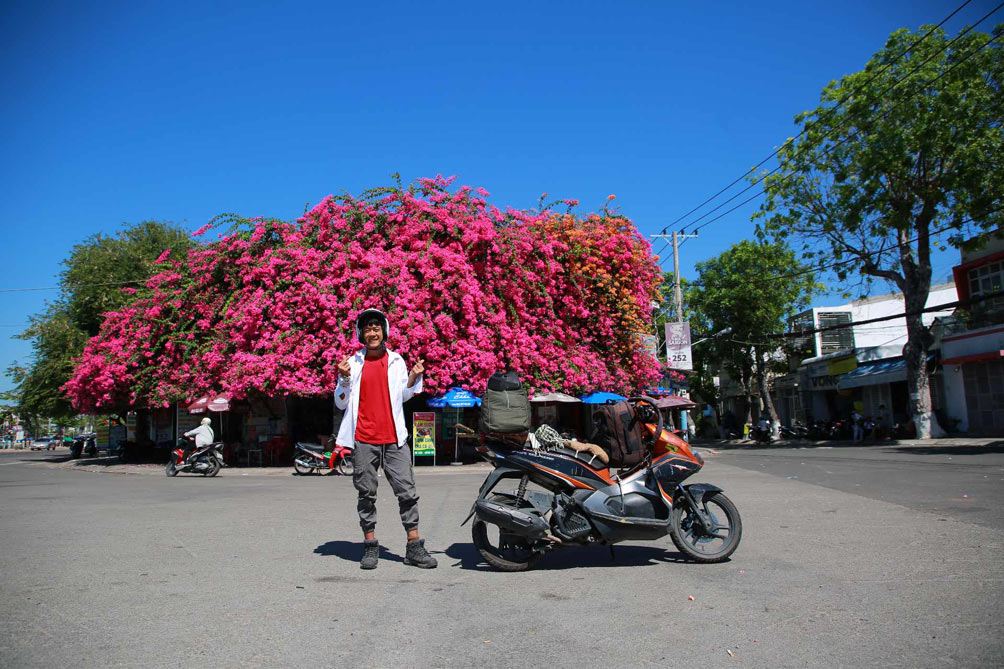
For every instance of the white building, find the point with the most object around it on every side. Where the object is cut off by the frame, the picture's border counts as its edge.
(857, 367)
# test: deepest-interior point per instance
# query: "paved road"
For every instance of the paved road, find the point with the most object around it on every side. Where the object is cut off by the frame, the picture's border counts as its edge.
(105, 570)
(966, 483)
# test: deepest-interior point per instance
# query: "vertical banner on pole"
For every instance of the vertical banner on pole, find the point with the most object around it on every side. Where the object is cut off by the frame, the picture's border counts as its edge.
(678, 346)
(423, 438)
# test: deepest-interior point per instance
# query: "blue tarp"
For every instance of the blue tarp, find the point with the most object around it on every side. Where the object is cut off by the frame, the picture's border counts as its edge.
(873, 373)
(457, 398)
(600, 397)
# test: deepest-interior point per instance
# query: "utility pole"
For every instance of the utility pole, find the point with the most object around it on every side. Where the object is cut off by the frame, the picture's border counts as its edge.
(677, 288)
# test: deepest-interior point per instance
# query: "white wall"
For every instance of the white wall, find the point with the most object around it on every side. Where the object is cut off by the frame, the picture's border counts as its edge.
(886, 338)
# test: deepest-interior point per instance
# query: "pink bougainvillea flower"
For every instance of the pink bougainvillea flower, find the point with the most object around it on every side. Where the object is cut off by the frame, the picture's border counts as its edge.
(267, 309)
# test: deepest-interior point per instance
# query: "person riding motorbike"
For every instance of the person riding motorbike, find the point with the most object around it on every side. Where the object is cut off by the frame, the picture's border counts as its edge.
(203, 435)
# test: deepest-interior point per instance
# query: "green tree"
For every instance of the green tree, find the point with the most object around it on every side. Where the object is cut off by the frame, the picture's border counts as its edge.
(91, 284)
(884, 171)
(752, 288)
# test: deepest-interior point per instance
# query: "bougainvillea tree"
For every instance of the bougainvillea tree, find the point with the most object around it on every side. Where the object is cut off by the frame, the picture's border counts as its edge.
(470, 288)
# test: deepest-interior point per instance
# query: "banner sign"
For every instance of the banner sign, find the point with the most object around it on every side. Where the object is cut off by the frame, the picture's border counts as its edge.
(678, 346)
(423, 438)
(649, 344)
(102, 432)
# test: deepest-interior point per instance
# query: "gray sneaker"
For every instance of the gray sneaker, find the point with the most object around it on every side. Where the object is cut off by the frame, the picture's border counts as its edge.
(371, 554)
(416, 555)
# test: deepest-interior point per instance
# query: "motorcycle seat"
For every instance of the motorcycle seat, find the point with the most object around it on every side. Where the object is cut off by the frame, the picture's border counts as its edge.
(317, 448)
(595, 457)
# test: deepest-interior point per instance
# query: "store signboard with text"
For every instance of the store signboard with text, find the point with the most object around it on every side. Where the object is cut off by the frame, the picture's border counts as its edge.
(423, 438)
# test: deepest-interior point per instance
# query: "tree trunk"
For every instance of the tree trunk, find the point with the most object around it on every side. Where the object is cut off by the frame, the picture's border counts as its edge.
(918, 380)
(767, 402)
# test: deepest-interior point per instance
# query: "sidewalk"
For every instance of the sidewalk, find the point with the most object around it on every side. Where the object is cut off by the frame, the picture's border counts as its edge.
(945, 442)
(110, 464)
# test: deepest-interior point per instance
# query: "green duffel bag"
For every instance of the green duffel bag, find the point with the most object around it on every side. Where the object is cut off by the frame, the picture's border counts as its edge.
(505, 411)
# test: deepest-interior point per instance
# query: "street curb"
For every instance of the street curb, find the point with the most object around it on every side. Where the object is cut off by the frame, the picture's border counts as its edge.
(158, 470)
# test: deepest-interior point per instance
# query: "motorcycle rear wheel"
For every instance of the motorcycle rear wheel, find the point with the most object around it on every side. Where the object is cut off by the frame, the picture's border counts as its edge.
(301, 469)
(214, 468)
(689, 538)
(509, 552)
(171, 469)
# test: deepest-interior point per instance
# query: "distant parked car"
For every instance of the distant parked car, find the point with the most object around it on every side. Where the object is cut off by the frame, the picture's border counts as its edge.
(40, 443)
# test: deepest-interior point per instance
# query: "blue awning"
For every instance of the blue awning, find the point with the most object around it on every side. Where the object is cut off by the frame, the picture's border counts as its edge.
(601, 397)
(458, 398)
(874, 373)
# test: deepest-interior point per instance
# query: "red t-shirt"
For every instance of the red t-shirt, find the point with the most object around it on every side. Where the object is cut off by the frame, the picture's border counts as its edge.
(375, 424)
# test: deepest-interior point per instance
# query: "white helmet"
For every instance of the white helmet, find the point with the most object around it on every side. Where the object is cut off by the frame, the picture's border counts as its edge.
(207, 420)
(368, 314)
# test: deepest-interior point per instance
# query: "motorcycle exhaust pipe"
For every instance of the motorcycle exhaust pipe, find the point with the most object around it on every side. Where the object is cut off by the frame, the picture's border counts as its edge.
(514, 521)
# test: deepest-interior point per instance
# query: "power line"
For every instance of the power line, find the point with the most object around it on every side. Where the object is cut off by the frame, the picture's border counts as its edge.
(889, 111)
(858, 258)
(915, 312)
(855, 133)
(831, 110)
(79, 285)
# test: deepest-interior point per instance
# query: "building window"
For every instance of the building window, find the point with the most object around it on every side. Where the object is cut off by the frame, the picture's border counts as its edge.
(832, 341)
(987, 280)
(801, 347)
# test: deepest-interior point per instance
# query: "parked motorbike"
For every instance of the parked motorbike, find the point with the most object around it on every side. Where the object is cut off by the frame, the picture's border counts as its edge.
(585, 502)
(761, 434)
(84, 444)
(796, 431)
(205, 460)
(310, 458)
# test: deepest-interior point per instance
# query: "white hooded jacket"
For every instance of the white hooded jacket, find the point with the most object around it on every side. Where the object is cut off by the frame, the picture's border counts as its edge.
(347, 396)
(203, 435)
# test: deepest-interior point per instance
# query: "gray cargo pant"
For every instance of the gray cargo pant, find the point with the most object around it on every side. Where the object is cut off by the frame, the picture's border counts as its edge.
(396, 463)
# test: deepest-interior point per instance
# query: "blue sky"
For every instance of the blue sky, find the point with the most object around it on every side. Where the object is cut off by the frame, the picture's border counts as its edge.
(120, 112)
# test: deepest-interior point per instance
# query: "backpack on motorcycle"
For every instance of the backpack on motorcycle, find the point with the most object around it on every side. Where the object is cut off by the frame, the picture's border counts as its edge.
(504, 381)
(505, 407)
(618, 432)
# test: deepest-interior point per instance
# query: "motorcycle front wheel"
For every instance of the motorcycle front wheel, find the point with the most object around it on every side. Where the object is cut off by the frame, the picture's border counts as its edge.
(344, 466)
(503, 551)
(691, 539)
(171, 469)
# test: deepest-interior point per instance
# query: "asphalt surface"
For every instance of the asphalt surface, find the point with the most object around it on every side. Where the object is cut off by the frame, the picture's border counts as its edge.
(101, 570)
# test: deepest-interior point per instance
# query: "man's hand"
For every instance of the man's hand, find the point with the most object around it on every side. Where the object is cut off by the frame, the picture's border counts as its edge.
(344, 369)
(416, 371)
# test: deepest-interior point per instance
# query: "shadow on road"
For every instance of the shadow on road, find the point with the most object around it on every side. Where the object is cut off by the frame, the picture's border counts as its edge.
(993, 447)
(468, 557)
(353, 551)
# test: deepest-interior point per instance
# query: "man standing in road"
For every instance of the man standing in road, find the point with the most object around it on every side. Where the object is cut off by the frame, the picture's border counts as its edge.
(373, 386)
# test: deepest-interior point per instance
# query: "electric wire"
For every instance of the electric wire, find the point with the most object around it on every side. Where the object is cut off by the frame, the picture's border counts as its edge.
(830, 111)
(854, 134)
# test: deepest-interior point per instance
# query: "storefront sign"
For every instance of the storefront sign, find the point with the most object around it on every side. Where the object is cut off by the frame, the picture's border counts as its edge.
(841, 366)
(825, 382)
(678, 346)
(423, 438)
(101, 429)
